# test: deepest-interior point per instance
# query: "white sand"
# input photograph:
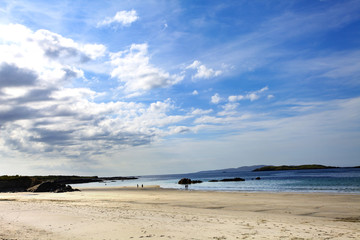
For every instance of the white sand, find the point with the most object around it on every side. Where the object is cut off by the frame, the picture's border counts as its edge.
(154, 213)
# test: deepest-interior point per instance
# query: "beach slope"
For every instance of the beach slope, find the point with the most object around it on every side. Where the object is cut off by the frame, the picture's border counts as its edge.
(155, 213)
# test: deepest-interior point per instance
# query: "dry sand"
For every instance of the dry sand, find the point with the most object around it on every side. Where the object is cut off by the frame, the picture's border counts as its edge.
(155, 213)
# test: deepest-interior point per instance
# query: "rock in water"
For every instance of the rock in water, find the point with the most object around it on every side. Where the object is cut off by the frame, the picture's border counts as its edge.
(185, 181)
(188, 181)
(232, 180)
(228, 180)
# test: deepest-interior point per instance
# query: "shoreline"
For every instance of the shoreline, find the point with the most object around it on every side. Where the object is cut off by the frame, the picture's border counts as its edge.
(160, 213)
(326, 181)
(112, 188)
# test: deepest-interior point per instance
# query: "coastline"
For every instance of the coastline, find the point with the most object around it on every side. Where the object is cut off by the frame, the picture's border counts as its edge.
(158, 213)
(158, 187)
(335, 180)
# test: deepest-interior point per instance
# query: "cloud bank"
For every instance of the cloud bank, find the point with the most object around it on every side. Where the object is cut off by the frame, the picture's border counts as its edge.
(41, 113)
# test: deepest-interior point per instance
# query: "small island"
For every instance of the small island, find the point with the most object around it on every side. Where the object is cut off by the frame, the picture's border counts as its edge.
(286, 167)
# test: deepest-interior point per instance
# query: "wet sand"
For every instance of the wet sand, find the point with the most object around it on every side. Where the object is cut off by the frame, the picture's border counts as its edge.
(155, 213)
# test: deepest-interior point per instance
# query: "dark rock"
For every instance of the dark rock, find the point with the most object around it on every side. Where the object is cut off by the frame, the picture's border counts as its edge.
(228, 180)
(213, 180)
(185, 181)
(118, 178)
(188, 181)
(67, 188)
(232, 180)
(51, 187)
(196, 181)
(258, 178)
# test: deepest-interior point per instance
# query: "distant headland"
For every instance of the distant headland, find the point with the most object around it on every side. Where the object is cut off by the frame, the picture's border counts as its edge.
(287, 167)
(52, 183)
(256, 168)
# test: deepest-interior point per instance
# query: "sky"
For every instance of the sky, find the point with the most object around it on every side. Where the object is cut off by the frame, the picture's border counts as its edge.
(117, 88)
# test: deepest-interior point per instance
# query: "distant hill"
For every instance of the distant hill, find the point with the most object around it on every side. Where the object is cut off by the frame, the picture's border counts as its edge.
(286, 167)
(231, 170)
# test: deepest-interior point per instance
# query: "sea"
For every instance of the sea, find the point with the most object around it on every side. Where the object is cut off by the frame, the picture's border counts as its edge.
(335, 180)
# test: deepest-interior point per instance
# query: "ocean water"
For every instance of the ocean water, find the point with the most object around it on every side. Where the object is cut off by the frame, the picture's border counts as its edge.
(339, 180)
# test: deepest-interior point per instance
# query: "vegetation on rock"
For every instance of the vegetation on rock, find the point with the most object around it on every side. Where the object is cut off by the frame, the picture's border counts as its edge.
(286, 167)
(23, 183)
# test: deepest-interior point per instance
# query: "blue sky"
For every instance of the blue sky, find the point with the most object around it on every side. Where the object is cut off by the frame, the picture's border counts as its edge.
(152, 87)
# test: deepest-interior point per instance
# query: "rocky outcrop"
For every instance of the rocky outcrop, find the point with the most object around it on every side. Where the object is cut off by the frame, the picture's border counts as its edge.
(188, 181)
(17, 183)
(22, 183)
(185, 181)
(51, 187)
(228, 180)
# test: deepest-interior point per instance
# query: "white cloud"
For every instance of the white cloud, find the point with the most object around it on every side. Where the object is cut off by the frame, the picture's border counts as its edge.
(179, 129)
(203, 71)
(263, 89)
(59, 47)
(216, 98)
(225, 123)
(165, 26)
(201, 111)
(235, 98)
(94, 50)
(194, 65)
(209, 120)
(125, 18)
(195, 92)
(229, 109)
(14, 33)
(252, 96)
(53, 57)
(133, 68)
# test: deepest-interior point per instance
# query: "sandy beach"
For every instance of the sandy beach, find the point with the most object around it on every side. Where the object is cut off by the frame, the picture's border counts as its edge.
(155, 213)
